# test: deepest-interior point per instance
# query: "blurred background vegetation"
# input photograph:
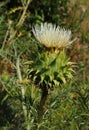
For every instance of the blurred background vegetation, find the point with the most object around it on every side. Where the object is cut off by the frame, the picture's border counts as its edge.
(67, 108)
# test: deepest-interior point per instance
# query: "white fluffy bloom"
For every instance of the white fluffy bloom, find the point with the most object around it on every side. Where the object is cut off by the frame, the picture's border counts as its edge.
(52, 36)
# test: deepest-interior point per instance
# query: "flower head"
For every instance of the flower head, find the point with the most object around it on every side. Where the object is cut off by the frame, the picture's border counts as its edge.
(52, 36)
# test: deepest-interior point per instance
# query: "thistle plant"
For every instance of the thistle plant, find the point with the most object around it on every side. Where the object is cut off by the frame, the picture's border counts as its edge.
(52, 67)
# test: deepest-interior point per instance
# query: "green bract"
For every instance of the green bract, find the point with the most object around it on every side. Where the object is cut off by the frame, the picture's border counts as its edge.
(50, 69)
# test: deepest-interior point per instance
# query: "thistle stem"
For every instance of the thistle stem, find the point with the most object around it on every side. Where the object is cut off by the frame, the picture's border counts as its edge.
(44, 97)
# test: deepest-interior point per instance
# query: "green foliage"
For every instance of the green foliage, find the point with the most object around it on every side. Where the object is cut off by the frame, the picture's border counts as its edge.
(50, 69)
(3, 28)
(67, 105)
(52, 11)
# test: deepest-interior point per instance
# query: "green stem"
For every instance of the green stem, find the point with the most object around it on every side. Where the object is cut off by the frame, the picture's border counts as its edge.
(20, 22)
(22, 89)
(5, 39)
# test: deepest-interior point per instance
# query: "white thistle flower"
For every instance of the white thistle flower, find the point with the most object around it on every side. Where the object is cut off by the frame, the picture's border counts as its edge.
(52, 36)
